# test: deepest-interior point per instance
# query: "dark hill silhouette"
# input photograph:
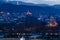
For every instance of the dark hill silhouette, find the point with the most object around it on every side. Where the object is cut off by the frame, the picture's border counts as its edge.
(36, 10)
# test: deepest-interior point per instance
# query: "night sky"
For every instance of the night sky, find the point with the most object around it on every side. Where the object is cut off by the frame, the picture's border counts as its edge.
(50, 2)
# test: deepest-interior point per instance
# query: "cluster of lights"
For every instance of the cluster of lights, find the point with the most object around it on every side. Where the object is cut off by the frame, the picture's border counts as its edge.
(52, 23)
(12, 17)
(20, 34)
(52, 33)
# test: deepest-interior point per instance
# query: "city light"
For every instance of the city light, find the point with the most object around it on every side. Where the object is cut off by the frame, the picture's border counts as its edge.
(52, 23)
(29, 13)
(22, 38)
(1, 12)
(22, 22)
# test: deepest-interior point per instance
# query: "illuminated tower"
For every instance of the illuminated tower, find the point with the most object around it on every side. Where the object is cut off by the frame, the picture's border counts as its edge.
(17, 2)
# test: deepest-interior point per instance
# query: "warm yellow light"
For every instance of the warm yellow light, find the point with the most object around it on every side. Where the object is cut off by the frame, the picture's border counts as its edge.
(52, 25)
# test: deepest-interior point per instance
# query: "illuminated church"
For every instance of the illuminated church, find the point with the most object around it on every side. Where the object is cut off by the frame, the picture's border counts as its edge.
(52, 22)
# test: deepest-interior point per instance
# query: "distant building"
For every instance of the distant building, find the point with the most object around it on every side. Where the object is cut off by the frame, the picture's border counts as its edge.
(28, 13)
(52, 22)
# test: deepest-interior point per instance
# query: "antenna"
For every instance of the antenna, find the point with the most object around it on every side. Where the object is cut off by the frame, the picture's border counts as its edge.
(7, 0)
(17, 2)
